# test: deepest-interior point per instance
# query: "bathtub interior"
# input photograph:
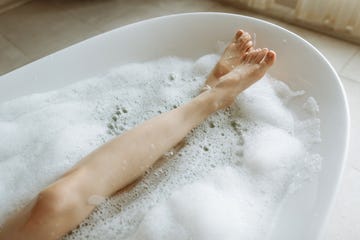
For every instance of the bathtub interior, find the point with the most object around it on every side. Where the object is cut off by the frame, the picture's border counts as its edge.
(192, 35)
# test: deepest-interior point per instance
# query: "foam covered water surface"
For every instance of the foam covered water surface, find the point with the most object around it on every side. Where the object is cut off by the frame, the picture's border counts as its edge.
(227, 182)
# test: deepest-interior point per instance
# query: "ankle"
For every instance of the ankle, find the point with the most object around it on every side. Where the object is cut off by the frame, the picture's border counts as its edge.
(215, 99)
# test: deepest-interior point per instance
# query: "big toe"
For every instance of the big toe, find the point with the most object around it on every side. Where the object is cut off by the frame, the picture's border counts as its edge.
(238, 34)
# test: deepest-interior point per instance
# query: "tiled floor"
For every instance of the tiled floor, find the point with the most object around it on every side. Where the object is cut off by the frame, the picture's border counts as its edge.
(39, 28)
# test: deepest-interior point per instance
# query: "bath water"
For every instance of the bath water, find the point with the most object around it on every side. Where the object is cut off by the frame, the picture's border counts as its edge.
(227, 182)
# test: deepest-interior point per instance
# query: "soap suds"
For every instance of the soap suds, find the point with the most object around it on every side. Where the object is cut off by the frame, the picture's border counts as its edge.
(226, 182)
(311, 106)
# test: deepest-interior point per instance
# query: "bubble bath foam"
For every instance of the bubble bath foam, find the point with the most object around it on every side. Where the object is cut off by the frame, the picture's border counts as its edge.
(226, 182)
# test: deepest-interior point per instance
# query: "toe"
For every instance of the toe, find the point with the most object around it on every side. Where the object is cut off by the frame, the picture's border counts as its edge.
(250, 44)
(245, 37)
(250, 56)
(245, 45)
(270, 58)
(238, 34)
(261, 55)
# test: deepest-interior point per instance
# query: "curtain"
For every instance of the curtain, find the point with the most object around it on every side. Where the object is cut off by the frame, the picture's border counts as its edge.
(337, 16)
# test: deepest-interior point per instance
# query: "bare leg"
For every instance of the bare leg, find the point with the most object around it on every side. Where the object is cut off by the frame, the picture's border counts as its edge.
(64, 204)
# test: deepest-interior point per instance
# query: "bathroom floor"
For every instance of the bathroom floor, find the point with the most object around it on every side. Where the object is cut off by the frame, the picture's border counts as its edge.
(41, 27)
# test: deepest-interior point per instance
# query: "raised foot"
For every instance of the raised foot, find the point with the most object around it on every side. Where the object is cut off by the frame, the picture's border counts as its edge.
(252, 66)
(231, 58)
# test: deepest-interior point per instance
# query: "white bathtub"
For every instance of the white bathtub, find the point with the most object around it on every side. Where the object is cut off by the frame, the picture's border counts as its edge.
(192, 35)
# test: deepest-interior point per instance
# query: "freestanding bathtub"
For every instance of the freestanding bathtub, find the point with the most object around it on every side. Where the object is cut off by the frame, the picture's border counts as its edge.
(192, 35)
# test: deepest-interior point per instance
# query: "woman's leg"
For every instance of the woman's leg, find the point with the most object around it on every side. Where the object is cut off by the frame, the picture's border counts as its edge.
(64, 204)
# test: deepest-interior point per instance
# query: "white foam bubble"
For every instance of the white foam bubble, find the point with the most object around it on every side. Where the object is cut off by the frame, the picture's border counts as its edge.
(225, 183)
(311, 105)
(220, 206)
(260, 103)
(269, 148)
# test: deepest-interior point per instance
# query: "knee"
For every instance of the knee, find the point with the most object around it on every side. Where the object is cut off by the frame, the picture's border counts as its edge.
(63, 197)
(57, 201)
(56, 210)
(54, 213)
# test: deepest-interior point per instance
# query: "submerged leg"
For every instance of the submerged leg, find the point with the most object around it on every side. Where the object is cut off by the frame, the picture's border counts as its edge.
(64, 204)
